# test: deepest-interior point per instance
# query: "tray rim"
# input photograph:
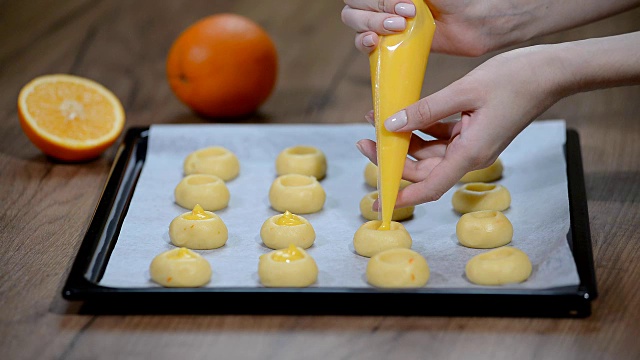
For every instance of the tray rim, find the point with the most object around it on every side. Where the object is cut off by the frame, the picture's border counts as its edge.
(101, 236)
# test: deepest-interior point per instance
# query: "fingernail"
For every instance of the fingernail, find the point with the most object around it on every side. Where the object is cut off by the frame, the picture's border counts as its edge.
(396, 121)
(408, 10)
(395, 23)
(368, 41)
(359, 147)
(369, 118)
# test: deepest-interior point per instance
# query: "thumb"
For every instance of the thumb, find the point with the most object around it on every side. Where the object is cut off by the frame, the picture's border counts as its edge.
(451, 100)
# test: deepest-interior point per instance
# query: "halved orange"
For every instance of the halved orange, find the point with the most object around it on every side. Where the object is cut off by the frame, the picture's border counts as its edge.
(69, 117)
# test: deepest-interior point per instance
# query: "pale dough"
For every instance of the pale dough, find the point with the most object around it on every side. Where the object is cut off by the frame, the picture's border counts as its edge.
(367, 212)
(368, 240)
(491, 173)
(481, 196)
(303, 160)
(207, 190)
(214, 160)
(198, 230)
(371, 176)
(484, 229)
(296, 268)
(180, 267)
(398, 268)
(300, 194)
(504, 265)
(278, 236)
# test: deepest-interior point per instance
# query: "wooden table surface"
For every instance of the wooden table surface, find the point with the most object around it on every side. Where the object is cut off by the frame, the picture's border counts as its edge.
(46, 207)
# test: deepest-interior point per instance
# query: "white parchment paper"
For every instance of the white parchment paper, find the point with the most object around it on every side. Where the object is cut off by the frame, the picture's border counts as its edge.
(535, 174)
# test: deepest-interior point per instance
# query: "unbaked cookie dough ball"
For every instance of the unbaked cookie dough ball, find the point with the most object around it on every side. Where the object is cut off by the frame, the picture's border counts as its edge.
(214, 160)
(207, 190)
(303, 160)
(180, 268)
(481, 196)
(368, 240)
(288, 267)
(398, 268)
(279, 231)
(367, 212)
(371, 176)
(198, 230)
(484, 229)
(300, 194)
(499, 266)
(491, 173)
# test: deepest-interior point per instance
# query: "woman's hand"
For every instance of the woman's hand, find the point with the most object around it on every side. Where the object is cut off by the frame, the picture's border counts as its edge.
(467, 28)
(496, 101)
(475, 27)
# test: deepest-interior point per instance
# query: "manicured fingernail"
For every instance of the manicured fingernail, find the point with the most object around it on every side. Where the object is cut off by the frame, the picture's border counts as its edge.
(369, 118)
(407, 10)
(368, 41)
(395, 23)
(396, 121)
(359, 147)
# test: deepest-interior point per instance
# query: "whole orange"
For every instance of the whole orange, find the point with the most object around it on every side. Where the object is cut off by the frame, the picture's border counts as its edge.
(224, 65)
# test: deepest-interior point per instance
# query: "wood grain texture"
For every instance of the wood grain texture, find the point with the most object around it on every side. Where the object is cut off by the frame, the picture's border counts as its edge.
(45, 206)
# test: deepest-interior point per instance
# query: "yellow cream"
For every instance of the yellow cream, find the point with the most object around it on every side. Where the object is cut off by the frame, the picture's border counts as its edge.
(288, 219)
(287, 255)
(197, 213)
(182, 253)
(397, 71)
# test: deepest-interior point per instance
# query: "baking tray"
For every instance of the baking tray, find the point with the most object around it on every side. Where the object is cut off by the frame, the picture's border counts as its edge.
(93, 255)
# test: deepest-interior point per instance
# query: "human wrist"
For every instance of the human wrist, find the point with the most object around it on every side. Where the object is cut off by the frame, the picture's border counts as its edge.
(511, 22)
(599, 62)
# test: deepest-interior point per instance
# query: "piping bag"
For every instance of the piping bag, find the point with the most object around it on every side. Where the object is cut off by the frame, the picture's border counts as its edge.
(398, 65)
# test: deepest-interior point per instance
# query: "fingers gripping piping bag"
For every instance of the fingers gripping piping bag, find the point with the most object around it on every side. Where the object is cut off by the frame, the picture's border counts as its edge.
(397, 70)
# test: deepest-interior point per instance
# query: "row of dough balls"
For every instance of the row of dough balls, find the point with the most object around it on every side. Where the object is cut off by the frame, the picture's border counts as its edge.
(287, 265)
(474, 195)
(296, 188)
(182, 267)
(204, 230)
(483, 225)
(219, 161)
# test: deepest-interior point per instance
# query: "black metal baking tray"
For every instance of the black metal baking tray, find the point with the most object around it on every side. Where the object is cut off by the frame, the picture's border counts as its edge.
(93, 255)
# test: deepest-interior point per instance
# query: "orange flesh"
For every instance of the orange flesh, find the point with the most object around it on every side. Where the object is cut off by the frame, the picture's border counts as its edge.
(71, 111)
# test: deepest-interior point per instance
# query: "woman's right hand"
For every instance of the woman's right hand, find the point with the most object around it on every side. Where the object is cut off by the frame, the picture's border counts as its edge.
(496, 101)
